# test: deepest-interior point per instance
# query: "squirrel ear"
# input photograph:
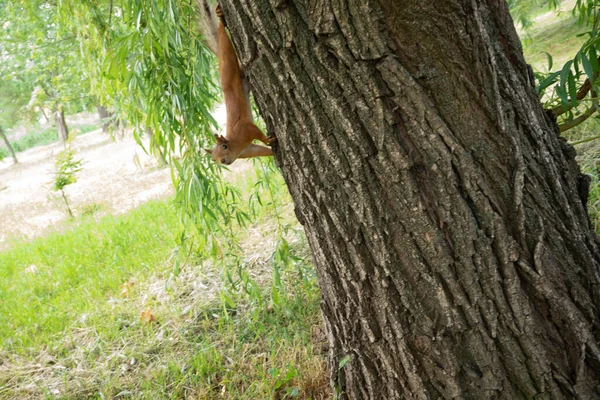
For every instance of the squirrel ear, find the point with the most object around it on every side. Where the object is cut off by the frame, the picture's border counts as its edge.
(221, 138)
(216, 136)
(209, 151)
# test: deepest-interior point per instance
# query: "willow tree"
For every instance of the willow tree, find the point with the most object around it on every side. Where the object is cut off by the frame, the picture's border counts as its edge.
(443, 210)
(445, 214)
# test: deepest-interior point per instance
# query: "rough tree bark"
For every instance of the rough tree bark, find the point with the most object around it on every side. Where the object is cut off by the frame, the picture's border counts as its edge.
(454, 253)
(61, 126)
(10, 148)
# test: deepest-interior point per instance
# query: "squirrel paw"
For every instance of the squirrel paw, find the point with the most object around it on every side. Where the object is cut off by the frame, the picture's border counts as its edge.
(219, 12)
(271, 139)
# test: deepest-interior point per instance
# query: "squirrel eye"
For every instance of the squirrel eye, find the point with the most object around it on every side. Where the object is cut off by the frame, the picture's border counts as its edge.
(224, 146)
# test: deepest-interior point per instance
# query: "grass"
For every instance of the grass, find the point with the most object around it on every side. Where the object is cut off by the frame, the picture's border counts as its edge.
(39, 279)
(41, 137)
(96, 312)
(558, 38)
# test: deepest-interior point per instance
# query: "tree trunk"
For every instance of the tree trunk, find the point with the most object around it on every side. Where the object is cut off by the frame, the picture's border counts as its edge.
(61, 126)
(454, 254)
(44, 114)
(10, 148)
(105, 118)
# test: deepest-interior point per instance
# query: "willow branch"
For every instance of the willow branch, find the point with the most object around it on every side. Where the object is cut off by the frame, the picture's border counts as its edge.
(585, 140)
(581, 93)
(576, 121)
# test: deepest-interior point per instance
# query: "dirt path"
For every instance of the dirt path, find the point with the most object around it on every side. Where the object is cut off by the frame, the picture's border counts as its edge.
(111, 181)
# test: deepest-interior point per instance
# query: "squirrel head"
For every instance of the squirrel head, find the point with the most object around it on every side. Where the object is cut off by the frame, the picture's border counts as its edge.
(221, 152)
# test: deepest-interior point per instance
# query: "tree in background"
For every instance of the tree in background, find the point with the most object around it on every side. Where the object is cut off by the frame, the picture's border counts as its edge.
(15, 94)
(11, 103)
(66, 169)
(50, 58)
(8, 146)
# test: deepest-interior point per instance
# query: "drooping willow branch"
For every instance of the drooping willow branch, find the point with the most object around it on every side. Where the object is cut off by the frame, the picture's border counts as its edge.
(581, 93)
(576, 121)
(588, 113)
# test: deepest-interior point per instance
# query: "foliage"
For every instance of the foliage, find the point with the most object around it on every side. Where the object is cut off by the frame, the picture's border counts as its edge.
(522, 11)
(66, 168)
(148, 61)
(45, 58)
(571, 91)
(13, 100)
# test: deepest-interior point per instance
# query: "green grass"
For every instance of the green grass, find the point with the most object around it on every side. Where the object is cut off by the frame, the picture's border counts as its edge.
(40, 138)
(558, 38)
(95, 312)
(40, 280)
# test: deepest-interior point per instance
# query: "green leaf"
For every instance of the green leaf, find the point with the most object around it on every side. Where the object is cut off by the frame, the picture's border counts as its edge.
(550, 79)
(562, 95)
(593, 57)
(564, 73)
(549, 58)
(572, 86)
(587, 67)
(346, 359)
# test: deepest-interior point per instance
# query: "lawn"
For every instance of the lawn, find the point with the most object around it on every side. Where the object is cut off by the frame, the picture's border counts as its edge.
(96, 312)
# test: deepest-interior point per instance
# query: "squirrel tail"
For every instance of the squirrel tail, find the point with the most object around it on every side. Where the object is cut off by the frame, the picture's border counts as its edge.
(208, 24)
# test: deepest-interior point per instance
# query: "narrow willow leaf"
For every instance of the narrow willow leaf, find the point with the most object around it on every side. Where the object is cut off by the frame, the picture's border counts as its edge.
(549, 58)
(587, 67)
(550, 80)
(564, 74)
(572, 86)
(562, 95)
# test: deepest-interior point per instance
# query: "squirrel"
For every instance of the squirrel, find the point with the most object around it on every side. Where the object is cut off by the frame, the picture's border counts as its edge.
(240, 130)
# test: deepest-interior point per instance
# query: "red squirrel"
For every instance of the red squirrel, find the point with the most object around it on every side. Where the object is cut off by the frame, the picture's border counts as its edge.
(240, 130)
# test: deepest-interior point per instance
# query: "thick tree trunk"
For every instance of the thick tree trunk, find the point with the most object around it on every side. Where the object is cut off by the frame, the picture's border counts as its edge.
(454, 253)
(61, 126)
(10, 148)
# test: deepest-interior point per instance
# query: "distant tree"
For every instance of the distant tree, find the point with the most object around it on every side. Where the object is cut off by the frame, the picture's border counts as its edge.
(49, 58)
(14, 97)
(8, 145)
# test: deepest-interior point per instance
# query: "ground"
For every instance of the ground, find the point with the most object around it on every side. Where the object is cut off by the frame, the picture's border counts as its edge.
(117, 176)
